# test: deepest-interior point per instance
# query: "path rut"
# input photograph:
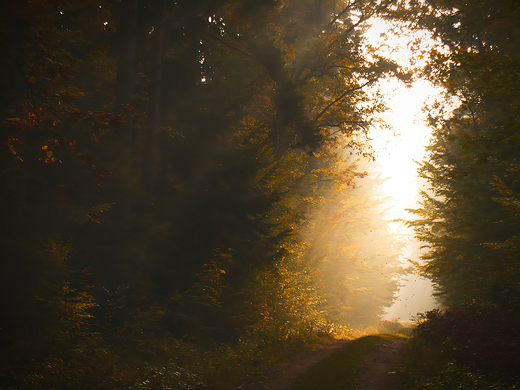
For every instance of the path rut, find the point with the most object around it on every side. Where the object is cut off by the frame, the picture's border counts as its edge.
(380, 371)
(286, 377)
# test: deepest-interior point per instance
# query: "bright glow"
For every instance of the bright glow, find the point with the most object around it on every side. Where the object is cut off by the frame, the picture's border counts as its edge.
(398, 155)
(398, 151)
(407, 48)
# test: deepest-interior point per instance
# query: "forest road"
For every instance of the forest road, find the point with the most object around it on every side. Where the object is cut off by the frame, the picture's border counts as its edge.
(286, 377)
(380, 370)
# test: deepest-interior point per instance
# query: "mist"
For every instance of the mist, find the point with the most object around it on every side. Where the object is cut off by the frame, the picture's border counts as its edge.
(192, 192)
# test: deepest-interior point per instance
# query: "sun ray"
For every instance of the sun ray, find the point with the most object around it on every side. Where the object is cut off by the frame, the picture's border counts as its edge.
(398, 151)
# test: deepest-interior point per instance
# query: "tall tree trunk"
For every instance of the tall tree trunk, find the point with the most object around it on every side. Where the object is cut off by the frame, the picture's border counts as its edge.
(126, 48)
(154, 112)
(125, 72)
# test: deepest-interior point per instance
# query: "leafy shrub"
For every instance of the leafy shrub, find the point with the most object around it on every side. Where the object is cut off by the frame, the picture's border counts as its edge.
(484, 338)
(469, 347)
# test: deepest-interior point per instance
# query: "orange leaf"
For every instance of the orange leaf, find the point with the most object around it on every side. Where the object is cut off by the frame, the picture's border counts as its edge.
(55, 123)
(11, 139)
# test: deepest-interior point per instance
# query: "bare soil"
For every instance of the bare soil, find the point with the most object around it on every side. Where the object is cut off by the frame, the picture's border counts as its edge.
(286, 377)
(380, 371)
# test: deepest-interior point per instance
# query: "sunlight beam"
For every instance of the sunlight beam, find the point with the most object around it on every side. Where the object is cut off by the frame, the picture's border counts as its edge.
(399, 151)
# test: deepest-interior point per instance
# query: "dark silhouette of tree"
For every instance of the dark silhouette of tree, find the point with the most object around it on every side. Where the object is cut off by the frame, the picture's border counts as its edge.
(161, 162)
(468, 218)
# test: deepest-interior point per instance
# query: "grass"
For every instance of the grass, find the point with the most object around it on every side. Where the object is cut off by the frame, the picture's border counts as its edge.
(339, 369)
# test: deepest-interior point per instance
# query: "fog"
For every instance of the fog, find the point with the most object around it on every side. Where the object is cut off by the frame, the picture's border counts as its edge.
(399, 146)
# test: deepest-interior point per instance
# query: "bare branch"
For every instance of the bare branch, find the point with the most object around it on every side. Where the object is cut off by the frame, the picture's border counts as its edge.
(335, 19)
(233, 48)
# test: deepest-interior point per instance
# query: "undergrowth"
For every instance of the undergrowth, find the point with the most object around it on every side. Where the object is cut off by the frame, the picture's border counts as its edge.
(225, 367)
(468, 348)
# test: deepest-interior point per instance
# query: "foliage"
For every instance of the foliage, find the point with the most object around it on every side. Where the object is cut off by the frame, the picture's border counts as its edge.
(483, 338)
(357, 255)
(467, 347)
(468, 220)
(162, 162)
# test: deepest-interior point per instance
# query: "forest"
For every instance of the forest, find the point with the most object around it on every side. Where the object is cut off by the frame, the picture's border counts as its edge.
(186, 196)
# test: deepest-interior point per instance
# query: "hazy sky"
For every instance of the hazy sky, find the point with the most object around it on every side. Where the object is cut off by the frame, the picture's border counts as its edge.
(397, 153)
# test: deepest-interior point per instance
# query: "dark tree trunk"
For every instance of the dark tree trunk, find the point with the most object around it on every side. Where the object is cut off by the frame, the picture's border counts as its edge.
(125, 70)
(154, 112)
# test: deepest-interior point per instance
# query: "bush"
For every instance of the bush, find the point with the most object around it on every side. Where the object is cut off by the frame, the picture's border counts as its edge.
(469, 347)
(483, 338)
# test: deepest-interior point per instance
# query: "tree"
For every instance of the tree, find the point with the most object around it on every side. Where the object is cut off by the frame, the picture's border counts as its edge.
(177, 150)
(466, 218)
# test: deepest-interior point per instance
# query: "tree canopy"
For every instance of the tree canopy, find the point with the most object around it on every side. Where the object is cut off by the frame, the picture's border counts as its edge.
(164, 182)
(469, 217)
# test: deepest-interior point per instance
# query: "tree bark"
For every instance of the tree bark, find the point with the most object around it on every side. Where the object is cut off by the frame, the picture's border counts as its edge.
(125, 71)
(154, 112)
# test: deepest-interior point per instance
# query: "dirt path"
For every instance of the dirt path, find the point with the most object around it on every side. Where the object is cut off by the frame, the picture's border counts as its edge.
(285, 377)
(380, 371)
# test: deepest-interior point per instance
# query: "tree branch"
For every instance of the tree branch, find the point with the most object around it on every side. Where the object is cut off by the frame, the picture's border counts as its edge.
(362, 124)
(233, 48)
(340, 98)
(335, 19)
